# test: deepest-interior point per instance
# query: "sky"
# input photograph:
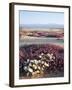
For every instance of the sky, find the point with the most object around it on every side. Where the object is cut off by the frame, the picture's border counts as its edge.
(36, 17)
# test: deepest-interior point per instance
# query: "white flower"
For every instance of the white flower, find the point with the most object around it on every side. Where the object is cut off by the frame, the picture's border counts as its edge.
(40, 56)
(30, 69)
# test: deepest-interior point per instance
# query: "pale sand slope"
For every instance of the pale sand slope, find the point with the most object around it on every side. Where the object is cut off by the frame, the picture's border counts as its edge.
(40, 40)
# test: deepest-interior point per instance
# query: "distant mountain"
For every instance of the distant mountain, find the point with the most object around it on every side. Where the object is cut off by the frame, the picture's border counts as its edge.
(42, 26)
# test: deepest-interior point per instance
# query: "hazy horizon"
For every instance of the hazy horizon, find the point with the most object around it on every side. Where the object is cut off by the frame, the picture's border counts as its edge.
(44, 26)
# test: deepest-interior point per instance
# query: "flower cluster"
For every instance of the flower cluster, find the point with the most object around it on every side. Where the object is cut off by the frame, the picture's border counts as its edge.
(37, 60)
